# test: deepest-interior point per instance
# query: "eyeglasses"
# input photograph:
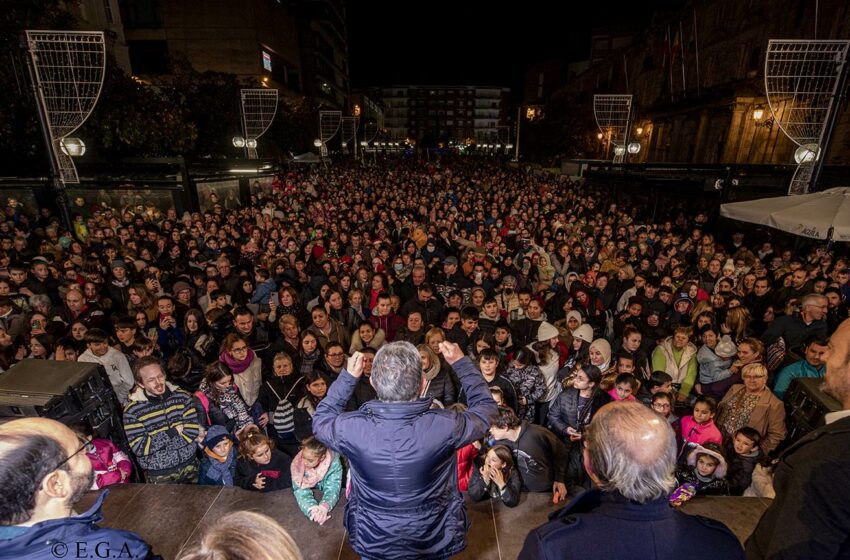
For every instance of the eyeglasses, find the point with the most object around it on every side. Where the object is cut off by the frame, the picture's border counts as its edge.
(661, 406)
(335, 354)
(83, 446)
(239, 349)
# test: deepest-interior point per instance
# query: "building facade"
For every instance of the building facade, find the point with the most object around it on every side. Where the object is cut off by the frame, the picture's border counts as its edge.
(256, 41)
(323, 40)
(697, 76)
(480, 114)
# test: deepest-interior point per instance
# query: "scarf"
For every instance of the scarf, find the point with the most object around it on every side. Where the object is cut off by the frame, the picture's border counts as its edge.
(237, 366)
(219, 467)
(303, 477)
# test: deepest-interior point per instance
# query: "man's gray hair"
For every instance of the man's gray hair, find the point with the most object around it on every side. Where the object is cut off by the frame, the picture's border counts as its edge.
(397, 372)
(39, 299)
(812, 299)
(632, 451)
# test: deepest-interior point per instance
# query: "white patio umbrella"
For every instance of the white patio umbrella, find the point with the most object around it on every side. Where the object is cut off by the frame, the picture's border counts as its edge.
(822, 215)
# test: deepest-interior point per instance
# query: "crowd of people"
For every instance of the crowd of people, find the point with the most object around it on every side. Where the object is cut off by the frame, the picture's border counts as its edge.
(222, 331)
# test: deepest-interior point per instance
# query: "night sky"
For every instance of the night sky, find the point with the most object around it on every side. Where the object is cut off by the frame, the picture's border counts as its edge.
(474, 42)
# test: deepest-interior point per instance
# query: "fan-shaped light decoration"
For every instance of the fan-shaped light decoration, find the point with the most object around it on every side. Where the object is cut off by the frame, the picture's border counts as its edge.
(329, 124)
(613, 116)
(349, 132)
(259, 107)
(68, 68)
(801, 79)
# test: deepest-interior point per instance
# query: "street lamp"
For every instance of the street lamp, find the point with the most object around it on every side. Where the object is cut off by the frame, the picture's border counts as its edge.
(807, 153)
(639, 130)
(619, 150)
(599, 135)
(238, 142)
(634, 148)
(251, 143)
(73, 147)
(758, 113)
(317, 143)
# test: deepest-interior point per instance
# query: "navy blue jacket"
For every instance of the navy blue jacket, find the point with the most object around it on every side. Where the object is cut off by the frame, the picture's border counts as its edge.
(404, 500)
(75, 537)
(603, 525)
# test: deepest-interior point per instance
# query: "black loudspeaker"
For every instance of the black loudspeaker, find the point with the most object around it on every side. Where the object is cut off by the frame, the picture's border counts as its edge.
(64, 391)
(806, 406)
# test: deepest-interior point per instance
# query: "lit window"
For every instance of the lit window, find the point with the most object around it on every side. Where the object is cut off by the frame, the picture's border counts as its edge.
(267, 61)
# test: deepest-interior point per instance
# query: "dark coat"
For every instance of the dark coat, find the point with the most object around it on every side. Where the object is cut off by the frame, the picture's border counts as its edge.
(809, 516)
(607, 525)
(688, 475)
(564, 413)
(479, 491)
(442, 387)
(539, 456)
(404, 500)
(740, 470)
(277, 473)
(79, 533)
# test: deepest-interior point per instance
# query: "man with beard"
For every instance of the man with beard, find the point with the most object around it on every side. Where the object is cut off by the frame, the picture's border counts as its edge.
(808, 517)
(44, 471)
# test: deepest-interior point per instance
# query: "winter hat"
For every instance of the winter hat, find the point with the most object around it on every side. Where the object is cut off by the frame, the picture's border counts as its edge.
(546, 331)
(180, 286)
(726, 347)
(215, 435)
(683, 297)
(711, 450)
(450, 260)
(604, 348)
(118, 263)
(573, 314)
(584, 332)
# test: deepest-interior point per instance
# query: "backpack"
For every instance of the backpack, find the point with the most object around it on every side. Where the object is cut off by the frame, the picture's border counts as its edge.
(283, 417)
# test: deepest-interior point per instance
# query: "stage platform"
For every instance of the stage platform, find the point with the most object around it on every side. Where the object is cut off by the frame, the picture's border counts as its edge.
(171, 518)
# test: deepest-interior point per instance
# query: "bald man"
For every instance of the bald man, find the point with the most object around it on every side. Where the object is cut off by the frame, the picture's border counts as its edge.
(809, 517)
(630, 454)
(44, 471)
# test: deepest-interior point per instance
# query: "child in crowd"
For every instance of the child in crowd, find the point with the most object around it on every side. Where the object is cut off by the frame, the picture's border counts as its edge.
(625, 386)
(260, 466)
(662, 403)
(699, 428)
(466, 455)
(316, 467)
(110, 465)
(658, 382)
(744, 454)
(528, 382)
(218, 463)
(497, 478)
(704, 475)
(498, 396)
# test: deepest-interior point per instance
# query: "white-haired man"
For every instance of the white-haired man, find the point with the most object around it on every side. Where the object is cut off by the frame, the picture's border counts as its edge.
(630, 454)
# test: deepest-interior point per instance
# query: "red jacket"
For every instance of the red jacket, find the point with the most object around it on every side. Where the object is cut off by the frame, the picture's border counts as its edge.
(110, 464)
(389, 323)
(465, 463)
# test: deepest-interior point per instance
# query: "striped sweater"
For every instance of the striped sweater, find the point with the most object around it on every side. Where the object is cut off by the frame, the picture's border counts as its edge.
(151, 426)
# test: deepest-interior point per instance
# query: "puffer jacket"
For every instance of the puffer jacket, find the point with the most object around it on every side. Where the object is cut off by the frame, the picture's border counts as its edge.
(404, 500)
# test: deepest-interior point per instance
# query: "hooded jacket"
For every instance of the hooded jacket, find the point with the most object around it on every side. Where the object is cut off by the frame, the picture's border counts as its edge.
(151, 422)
